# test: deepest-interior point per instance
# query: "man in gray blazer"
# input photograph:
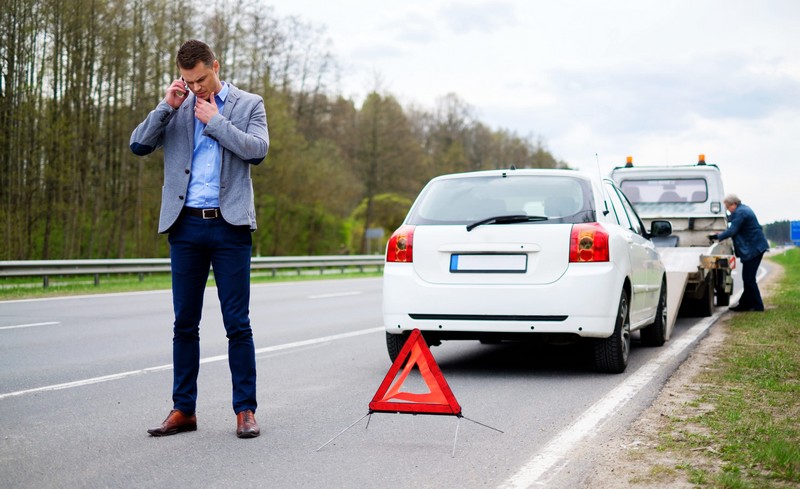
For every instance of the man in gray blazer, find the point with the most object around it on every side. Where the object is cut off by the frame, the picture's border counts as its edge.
(211, 133)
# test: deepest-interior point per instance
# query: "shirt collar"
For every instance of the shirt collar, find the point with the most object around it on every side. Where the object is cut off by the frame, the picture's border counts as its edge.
(223, 94)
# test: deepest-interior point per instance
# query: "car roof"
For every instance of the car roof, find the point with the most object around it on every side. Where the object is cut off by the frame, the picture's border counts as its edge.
(519, 172)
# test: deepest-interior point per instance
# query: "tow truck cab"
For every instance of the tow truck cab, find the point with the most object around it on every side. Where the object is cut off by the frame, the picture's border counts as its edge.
(690, 196)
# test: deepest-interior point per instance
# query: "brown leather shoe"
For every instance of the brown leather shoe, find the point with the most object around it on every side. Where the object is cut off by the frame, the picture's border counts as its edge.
(176, 422)
(246, 425)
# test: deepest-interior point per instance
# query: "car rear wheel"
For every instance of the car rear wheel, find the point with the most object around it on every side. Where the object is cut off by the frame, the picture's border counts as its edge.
(656, 333)
(611, 354)
(394, 343)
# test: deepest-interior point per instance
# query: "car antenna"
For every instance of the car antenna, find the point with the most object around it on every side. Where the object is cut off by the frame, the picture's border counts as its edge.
(600, 174)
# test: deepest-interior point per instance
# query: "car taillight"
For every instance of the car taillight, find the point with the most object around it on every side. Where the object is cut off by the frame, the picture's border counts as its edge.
(401, 245)
(588, 243)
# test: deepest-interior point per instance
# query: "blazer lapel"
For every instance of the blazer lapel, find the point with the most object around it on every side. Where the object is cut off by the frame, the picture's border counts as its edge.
(187, 113)
(230, 101)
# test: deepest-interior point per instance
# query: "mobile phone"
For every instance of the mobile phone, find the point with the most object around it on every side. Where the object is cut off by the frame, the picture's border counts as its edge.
(185, 91)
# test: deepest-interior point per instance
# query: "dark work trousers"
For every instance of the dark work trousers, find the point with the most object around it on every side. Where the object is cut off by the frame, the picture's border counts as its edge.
(751, 296)
(196, 244)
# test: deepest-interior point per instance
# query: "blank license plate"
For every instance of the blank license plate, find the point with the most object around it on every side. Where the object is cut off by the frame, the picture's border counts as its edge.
(488, 263)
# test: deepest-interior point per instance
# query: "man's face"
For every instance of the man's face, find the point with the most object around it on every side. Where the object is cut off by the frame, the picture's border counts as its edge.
(202, 80)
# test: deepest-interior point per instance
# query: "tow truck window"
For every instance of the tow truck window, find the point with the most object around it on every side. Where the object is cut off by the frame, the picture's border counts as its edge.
(686, 190)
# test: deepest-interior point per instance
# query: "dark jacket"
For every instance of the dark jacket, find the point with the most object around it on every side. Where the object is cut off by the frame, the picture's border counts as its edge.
(748, 238)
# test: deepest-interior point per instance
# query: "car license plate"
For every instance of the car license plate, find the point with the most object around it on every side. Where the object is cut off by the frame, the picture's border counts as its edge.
(497, 263)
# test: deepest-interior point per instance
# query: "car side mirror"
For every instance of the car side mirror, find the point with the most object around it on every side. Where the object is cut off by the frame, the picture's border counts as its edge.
(660, 229)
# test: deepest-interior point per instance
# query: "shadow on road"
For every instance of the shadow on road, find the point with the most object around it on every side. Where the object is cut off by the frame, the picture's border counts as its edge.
(515, 358)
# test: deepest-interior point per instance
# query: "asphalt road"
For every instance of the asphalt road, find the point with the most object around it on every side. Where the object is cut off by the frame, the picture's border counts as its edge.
(82, 378)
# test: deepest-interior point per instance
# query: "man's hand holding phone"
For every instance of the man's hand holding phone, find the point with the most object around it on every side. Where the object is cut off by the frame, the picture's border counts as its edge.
(177, 93)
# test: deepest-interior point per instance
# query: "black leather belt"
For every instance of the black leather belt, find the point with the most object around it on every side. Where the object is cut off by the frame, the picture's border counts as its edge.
(212, 213)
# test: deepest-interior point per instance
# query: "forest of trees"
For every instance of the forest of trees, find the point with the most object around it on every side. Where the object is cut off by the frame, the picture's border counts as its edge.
(77, 76)
(778, 232)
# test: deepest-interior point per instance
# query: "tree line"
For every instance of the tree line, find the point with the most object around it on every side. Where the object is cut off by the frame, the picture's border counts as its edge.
(77, 76)
(778, 232)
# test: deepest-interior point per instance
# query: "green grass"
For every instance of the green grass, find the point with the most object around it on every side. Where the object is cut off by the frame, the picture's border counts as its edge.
(31, 288)
(753, 429)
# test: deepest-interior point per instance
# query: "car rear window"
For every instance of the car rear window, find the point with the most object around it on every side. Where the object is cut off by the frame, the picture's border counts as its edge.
(466, 200)
(689, 190)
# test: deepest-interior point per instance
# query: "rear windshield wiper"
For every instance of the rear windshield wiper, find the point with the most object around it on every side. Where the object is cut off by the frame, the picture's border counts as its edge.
(515, 218)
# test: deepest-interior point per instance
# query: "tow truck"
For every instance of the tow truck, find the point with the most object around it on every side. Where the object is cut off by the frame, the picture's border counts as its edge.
(699, 273)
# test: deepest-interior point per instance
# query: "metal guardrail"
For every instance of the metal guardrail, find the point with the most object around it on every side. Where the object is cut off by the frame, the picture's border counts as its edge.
(48, 268)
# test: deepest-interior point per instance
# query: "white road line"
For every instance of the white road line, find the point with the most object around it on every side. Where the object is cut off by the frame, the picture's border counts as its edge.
(553, 457)
(546, 464)
(88, 296)
(31, 325)
(218, 358)
(335, 294)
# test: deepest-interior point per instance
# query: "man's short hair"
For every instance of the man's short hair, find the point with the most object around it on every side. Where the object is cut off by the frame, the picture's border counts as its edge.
(193, 52)
(732, 199)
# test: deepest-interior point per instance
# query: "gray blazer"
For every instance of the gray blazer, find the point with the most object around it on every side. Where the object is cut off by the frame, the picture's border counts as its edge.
(241, 130)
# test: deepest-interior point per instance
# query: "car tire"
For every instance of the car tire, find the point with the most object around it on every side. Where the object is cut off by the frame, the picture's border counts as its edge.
(656, 333)
(394, 343)
(611, 354)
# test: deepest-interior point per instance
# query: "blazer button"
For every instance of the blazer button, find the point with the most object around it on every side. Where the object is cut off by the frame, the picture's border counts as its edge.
(180, 197)
(186, 171)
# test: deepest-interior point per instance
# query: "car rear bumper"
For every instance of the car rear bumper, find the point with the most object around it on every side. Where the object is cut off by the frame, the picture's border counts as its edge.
(582, 302)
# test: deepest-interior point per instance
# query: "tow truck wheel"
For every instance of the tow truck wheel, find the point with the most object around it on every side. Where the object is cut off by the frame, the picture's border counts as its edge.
(723, 298)
(705, 304)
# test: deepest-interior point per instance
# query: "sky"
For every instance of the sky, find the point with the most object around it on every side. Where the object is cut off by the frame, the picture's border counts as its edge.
(662, 81)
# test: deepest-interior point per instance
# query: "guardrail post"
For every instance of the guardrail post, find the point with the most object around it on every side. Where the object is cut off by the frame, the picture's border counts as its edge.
(96, 279)
(45, 281)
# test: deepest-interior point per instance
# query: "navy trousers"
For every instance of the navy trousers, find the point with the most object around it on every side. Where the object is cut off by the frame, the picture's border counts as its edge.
(195, 245)
(751, 296)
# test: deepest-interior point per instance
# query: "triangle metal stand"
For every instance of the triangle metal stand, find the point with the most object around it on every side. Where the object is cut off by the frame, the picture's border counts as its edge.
(370, 413)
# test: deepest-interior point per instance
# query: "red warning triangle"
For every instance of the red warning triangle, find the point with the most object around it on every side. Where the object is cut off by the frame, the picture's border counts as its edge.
(440, 399)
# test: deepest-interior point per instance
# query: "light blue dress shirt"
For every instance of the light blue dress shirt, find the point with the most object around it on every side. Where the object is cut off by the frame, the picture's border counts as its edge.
(203, 189)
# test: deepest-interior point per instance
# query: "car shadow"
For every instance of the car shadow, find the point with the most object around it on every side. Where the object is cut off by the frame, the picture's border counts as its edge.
(521, 358)
(517, 358)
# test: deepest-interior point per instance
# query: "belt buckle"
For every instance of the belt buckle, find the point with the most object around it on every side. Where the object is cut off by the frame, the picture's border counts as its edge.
(209, 213)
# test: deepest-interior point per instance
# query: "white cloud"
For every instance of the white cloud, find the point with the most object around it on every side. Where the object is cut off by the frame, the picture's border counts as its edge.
(466, 17)
(663, 81)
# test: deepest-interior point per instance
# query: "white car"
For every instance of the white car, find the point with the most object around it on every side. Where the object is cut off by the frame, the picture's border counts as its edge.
(508, 254)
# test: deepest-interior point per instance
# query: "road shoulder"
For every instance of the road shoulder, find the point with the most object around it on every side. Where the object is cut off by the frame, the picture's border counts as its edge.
(636, 458)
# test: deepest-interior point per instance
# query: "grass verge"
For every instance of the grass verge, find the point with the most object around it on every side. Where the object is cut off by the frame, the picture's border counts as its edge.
(748, 433)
